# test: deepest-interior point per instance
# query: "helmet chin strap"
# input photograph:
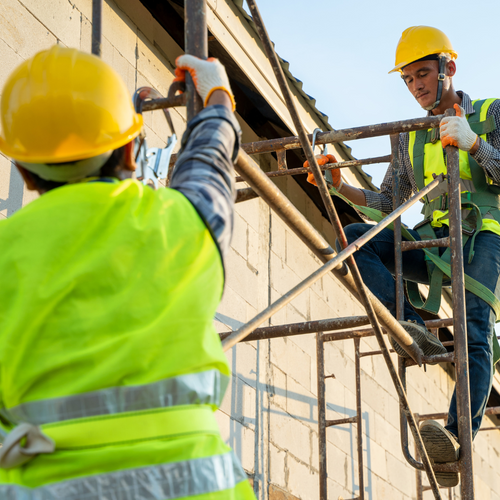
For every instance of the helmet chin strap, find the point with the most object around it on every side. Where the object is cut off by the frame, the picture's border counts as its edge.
(441, 76)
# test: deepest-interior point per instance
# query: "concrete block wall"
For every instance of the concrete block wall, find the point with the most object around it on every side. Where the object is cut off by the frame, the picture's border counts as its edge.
(269, 414)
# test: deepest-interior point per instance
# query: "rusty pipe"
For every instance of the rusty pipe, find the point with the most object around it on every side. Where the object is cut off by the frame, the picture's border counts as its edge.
(348, 134)
(196, 43)
(327, 166)
(96, 27)
(333, 263)
(322, 325)
(164, 103)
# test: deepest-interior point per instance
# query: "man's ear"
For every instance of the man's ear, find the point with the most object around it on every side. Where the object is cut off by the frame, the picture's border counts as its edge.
(451, 68)
(129, 158)
(28, 179)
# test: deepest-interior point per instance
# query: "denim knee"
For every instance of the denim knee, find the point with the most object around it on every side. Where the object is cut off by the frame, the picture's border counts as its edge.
(353, 232)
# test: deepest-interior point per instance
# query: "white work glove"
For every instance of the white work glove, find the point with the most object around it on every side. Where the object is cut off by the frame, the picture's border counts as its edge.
(456, 131)
(207, 76)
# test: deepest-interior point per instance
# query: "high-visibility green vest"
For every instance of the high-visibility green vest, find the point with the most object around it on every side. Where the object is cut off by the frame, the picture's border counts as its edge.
(480, 209)
(480, 198)
(107, 298)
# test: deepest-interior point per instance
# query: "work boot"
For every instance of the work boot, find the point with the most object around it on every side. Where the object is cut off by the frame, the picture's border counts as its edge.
(442, 447)
(429, 343)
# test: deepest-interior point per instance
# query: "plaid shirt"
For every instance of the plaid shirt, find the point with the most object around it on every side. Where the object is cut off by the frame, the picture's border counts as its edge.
(487, 156)
(204, 170)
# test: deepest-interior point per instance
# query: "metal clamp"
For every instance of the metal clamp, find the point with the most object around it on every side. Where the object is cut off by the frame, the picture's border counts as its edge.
(153, 163)
(328, 173)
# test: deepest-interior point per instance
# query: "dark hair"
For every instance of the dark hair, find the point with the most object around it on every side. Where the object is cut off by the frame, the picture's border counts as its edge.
(107, 170)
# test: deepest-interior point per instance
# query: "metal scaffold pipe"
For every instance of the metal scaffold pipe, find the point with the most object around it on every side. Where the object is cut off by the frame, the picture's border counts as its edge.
(196, 43)
(348, 134)
(328, 166)
(96, 27)
(278, 202)
(333, 263)
(412, 349)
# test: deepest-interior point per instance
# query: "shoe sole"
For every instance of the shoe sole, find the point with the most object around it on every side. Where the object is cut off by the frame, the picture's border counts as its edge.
(429, 344)
(440, 450)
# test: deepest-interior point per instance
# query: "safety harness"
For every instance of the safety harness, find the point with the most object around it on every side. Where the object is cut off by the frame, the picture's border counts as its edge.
(480, 200)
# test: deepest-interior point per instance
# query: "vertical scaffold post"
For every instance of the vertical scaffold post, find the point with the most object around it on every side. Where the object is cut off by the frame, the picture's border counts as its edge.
(359, 423)
(459, 324)
(398, 265)
(320, 367)
(196, 44)
(96, 27)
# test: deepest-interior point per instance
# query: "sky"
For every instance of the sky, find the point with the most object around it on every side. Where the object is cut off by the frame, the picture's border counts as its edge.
(342, 51)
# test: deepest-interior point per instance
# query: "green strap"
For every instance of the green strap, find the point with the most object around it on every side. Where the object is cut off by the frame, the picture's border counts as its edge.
(486, 127)
(470, 284)
(433, 301)
(418, 158)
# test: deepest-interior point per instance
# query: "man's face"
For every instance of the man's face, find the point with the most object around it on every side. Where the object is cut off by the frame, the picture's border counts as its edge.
(421, 77)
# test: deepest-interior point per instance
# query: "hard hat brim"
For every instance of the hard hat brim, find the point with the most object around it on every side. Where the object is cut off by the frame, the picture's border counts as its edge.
(12, 152)
(399, 67)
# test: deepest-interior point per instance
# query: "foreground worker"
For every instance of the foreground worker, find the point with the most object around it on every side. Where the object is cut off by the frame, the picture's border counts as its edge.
(426, 60)
(111, 367)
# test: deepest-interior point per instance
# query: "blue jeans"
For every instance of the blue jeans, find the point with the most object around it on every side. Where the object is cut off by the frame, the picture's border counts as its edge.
(376, 265)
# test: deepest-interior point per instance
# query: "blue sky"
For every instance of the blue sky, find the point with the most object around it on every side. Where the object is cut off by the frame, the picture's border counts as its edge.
(343, 50)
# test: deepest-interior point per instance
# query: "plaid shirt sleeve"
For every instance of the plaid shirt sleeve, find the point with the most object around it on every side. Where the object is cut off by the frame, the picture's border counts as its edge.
(488, 153)
(204, 170)
(383, 200)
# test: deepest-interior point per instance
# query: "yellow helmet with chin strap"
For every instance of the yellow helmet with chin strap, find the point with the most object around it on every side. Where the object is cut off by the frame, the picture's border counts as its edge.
(421, 43)
(418, 42)
(64, 106)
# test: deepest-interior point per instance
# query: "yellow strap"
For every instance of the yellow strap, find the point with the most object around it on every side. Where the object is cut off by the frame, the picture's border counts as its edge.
(131, 427)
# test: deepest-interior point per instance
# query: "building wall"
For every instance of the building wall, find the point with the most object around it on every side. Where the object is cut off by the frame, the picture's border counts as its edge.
(269, 414)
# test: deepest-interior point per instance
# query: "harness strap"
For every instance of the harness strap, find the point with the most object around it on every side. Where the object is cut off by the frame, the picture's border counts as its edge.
(433, 301)
(471, 284)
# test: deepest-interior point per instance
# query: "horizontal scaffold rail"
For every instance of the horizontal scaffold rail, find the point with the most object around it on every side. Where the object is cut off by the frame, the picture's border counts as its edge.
(331, 325)
(330, 137)
(346, 134)
(327, 166)
(404, 339)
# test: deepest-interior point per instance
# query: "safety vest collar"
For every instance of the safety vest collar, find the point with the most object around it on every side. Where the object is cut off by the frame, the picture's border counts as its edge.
(202, 388)
(169, 481)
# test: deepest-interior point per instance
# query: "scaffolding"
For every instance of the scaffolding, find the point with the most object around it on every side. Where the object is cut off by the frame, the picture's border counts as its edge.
(343, 265)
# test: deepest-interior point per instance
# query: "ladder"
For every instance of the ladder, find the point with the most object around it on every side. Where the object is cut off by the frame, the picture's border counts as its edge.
(342, 264)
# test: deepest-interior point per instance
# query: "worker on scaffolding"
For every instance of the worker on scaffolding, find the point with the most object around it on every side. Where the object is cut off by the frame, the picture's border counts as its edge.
(426, 61)
(111, 369)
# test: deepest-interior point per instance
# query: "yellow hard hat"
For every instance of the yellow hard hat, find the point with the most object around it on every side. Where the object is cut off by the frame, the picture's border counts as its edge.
(63, 105)
(421, 41)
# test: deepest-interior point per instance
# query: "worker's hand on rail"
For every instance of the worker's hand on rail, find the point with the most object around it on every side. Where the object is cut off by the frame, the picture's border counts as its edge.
(456, 131)
(323, 160)
(208, 76)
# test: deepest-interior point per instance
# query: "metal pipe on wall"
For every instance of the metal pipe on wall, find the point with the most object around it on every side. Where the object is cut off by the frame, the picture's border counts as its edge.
(96, 27)
(347, 134)
(460, 325)
(332, 263)
(196, 43)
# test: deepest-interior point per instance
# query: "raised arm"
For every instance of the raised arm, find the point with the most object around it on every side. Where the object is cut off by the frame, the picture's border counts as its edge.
(204, 168)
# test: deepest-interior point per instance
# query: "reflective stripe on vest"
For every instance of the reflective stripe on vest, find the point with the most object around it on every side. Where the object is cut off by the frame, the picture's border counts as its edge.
(206, 387)
(159, 482)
